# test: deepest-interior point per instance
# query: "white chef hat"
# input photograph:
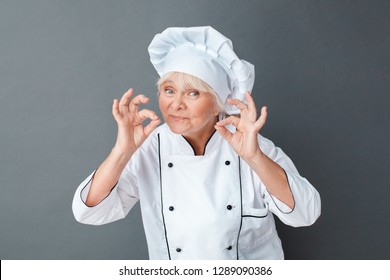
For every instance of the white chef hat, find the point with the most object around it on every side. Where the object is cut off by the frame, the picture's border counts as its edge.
(206, 54)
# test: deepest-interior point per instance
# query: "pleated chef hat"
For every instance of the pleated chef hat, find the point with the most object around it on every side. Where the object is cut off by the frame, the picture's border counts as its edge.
(206, 54)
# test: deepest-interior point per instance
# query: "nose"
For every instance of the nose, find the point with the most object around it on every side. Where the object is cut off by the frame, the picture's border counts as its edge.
(178, 102)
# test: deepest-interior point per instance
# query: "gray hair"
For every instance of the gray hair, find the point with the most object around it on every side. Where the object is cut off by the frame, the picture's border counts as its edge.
(191, 81)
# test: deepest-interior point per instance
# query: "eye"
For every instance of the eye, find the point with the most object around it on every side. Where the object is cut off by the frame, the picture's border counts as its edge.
(168, 91)
(193, 93)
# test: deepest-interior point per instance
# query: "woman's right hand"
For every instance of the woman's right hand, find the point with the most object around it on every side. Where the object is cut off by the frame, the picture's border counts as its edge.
(131, 132)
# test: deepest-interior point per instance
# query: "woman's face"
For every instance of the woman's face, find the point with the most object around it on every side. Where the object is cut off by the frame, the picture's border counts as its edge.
(187, 111)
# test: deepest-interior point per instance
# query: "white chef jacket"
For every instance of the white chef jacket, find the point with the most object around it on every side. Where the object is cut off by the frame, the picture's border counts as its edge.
(202, 207)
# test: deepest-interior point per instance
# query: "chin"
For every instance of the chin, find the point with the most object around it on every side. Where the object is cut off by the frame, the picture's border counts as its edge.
(176, 129)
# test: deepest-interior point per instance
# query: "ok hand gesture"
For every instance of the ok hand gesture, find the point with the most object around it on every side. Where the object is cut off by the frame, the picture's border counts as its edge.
(244, 139)
(131, 132)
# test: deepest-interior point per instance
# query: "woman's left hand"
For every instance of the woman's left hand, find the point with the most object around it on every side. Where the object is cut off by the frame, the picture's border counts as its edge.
(245, 143)
(244, 140)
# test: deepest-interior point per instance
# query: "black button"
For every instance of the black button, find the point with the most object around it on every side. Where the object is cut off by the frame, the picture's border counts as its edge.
(170, 164)
(229, 248)
(227, 162)
(229, 207)
(171, 208)
(178, 250)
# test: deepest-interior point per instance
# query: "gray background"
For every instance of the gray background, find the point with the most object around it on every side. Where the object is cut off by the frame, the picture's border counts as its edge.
(322, 69)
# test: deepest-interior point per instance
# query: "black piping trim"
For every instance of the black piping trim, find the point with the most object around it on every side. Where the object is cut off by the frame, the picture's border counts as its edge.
(288, 182)
(81, 197)
(205, 146)
(192, 147)
(161, 192)
(239, 231)
(252, 216)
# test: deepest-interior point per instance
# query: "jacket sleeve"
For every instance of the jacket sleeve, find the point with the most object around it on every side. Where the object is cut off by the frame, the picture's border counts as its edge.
(116, 205)
(307, 202)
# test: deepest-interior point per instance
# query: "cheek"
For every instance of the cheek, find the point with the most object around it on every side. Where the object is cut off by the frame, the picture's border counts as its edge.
(207, 109)
(163, 104)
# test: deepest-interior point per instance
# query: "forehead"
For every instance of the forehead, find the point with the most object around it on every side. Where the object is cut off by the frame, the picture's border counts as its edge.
(169, 81)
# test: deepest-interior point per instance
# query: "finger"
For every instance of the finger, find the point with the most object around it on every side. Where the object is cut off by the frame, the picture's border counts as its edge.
(233, 120)
(125, 100)
(154, 120)
(136, 101)
(224, 132)
(262, 119)
(251, 102)
(115, 109)
(151, 126)
(147, 114)
(252, 111)
(238, 103)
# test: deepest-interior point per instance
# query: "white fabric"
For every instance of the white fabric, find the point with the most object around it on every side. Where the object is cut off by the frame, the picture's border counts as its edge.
(204, 53)
(164, 172)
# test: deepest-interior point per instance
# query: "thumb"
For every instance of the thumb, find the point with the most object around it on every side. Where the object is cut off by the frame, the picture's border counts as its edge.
(226, 134)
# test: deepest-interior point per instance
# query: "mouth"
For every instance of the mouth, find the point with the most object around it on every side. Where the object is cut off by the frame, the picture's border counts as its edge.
(177, 118)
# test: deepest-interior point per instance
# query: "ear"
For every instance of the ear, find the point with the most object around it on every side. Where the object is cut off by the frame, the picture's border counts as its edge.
(217, 110)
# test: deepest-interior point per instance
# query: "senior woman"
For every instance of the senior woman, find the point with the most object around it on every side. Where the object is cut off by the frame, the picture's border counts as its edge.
(208, 182)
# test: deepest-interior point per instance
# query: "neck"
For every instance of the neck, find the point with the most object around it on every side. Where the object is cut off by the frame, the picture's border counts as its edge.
(199, 141)
(199, 146)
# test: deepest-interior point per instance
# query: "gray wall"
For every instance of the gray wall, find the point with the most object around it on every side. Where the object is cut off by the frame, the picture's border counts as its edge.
(322, 69)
